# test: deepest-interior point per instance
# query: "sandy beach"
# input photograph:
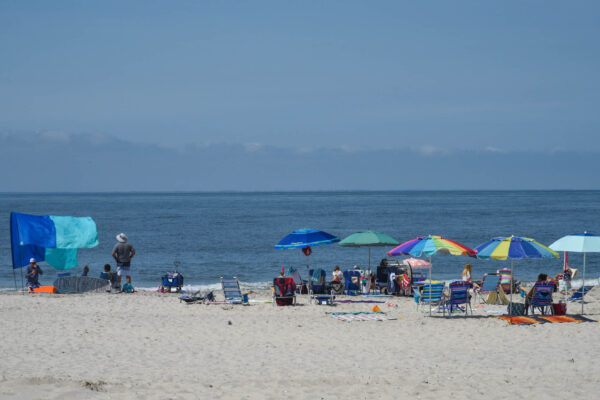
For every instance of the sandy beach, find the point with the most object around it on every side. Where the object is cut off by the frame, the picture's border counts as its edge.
(150, 345)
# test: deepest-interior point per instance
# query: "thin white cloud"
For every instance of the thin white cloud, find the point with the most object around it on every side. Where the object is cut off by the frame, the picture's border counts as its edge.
(56, 136)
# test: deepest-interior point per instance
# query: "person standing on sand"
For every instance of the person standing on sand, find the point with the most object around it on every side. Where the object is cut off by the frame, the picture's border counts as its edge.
(123, 252)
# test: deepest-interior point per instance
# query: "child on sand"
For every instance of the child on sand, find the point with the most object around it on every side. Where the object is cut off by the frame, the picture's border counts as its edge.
(127, 287)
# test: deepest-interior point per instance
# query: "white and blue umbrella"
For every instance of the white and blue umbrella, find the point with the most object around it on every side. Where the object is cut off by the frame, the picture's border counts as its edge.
(579, 243)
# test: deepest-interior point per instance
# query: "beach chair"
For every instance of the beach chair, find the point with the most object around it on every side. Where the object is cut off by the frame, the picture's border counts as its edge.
(542, 297)
(506, 279)
(431, 294)
(231, 289)
(318, 290)
(284, 291)
(352, 282)
(298, 281)
(316, 281)
(490, 284)
(459, 294)
(579, 293)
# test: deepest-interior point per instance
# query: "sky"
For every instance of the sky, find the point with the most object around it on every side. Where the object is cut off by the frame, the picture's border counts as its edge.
(441, 82)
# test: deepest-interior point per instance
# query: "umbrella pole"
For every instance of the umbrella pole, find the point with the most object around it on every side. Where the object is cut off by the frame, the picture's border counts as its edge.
(511, 285)
(583, 285)
(430, 266)
(369, 258)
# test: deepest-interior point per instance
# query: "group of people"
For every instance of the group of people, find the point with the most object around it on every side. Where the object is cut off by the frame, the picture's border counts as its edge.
(122, 253)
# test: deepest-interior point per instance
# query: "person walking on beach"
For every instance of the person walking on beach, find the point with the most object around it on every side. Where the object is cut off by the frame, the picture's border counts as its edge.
(123, 252)
(32, 274)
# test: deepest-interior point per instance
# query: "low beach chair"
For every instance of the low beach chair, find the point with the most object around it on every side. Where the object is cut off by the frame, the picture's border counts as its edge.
(542, 297)
(459, 294)
(298, 281)
(231, 289)
(490, 284)
(284, 291)
(352, 282)
(506, 280)
(431, 294)
(316, 281)
(579, 293)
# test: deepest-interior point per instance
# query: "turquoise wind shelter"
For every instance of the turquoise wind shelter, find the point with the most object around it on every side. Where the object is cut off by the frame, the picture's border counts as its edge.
(50, 238)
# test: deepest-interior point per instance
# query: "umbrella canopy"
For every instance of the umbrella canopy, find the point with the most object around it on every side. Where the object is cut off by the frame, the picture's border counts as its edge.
(302, 238)
(368, 239)
(430, 245)
(416, 263)
(511, 247)
(579, 243)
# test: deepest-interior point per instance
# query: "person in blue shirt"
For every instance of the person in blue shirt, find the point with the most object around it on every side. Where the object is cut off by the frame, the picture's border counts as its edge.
(127, 287)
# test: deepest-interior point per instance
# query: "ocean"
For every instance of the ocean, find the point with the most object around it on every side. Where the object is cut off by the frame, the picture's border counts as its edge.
(216, 234)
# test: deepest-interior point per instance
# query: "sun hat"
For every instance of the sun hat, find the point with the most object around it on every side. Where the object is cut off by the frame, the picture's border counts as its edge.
(121, 237)
(32, 260)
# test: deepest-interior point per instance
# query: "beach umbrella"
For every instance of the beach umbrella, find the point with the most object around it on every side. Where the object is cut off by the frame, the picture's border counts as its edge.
(511, 247)
(429, 246)
(579, 243)
(416, 263)
(369, 239)
(305, 239)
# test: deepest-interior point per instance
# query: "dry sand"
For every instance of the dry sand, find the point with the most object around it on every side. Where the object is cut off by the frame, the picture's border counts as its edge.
(149, 345)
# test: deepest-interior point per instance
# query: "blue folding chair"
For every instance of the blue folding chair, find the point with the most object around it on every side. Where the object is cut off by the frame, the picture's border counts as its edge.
(352, 282)
(431, 293)
(459, 294)
(579, 293)
(316, 281)
(490, 284)
(231, 289)
(542, 297)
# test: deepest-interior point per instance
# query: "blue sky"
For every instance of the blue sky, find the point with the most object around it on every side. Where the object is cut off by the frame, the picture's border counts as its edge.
(432, 77)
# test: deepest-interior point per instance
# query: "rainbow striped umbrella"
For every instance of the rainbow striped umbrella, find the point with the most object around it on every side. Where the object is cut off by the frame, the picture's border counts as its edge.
(502, 248)
(430, 245)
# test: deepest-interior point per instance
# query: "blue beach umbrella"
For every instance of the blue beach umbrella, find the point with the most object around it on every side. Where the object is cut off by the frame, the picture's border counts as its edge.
(579, 243)
(511, 247)
(305, 239)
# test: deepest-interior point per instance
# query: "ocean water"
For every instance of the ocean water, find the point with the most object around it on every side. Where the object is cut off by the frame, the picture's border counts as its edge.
(216, 234)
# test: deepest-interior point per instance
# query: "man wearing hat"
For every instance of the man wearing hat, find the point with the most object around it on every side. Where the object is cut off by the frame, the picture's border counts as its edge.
(32, 273)
(123, 252)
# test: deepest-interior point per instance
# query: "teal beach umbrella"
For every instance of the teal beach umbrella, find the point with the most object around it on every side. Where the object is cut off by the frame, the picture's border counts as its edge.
(369, 239)
(579, 243)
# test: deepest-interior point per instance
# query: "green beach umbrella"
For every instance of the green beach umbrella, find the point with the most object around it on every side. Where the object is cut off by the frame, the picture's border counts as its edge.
(369, 239)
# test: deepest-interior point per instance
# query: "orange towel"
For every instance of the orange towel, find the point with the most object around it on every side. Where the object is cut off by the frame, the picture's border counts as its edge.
(44, 289)
(518, 320)
(558, 318)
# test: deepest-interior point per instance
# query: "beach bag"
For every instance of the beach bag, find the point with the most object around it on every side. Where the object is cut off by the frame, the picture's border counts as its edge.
(516, 309)
(559, 308)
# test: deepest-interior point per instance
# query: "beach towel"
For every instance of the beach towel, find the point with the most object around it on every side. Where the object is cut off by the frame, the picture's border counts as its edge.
(360, 316)
(44, 289)
(359, 301)
(519, 320)
(542, 319)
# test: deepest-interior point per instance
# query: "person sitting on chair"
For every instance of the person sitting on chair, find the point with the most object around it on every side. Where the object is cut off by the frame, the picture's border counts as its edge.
(529, 296)
(338, 276)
